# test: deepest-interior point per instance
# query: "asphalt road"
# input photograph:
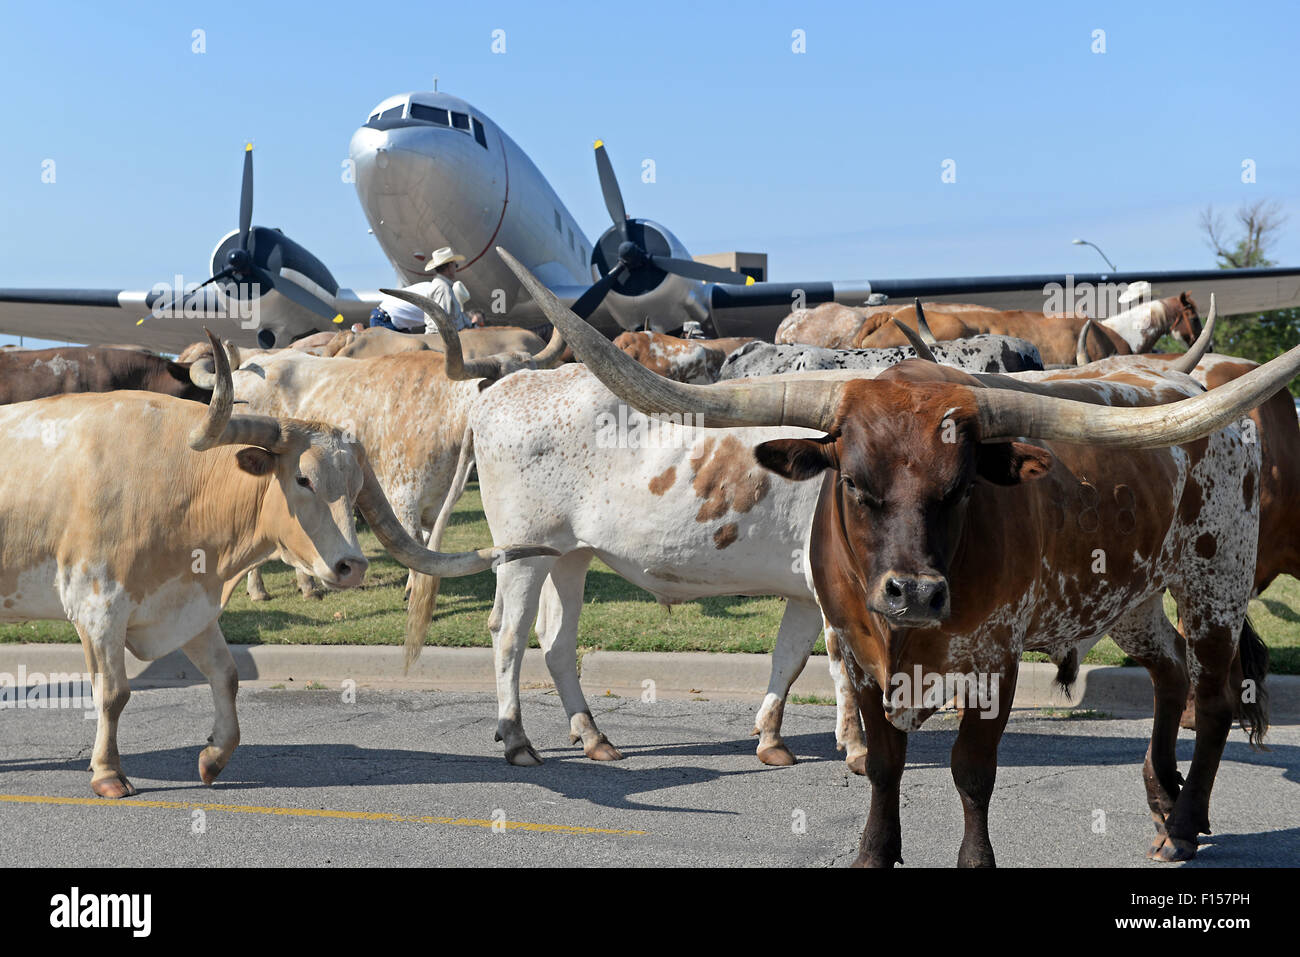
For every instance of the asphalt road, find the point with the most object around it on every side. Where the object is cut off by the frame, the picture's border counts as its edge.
(414, 778)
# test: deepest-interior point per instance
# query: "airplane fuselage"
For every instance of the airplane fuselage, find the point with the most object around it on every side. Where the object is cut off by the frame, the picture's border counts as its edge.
(433, 171)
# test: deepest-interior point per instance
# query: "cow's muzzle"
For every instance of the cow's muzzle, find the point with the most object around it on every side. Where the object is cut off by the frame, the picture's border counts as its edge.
(347, 572)
(911, 599)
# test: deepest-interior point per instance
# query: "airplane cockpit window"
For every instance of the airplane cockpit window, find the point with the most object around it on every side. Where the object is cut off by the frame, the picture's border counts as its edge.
(479, 134)
(434, 114)
(460, 121)
(393, 112)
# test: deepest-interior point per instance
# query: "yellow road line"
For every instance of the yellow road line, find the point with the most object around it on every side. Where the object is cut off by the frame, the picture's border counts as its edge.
(318, 812)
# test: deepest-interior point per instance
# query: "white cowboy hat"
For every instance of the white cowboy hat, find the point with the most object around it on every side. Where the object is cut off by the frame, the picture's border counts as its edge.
(440, 257)
(461, 292)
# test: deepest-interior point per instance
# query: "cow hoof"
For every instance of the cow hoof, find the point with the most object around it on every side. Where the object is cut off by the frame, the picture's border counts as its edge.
(602, 750)
(1168, 849)
(313, 595)
(523, 756)
(113, 785)
(857, 763)
(776, 755)
(263, 596)
(209, 767)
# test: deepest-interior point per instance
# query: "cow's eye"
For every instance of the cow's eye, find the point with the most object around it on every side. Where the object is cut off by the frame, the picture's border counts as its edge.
(305, 482)
(862, 496)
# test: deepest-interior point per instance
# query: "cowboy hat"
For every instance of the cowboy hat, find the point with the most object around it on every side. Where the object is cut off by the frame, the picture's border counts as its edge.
(440, 257)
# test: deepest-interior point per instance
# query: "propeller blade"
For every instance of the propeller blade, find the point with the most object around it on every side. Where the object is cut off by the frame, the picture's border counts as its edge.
(690, 269)
(295, 293)
(246, 198)
(586, 304)
(609, 187)
(166, 305)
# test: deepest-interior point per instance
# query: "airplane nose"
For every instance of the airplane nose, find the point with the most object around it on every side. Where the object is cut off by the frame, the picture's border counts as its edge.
(913, 598)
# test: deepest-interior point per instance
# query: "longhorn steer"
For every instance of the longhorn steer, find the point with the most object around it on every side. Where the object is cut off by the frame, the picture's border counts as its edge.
(943, 546)
(677, 510)
(1135, 330)
(685, 360)
(977, 354)
(477, 343)
(162, 502)
(37, 373)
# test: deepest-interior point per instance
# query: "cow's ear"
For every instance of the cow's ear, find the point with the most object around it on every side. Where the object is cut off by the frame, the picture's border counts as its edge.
(256, 461)
(1010, 463)
(797, 459)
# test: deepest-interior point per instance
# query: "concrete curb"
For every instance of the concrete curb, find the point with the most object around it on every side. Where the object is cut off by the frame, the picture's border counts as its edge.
(1103, 688)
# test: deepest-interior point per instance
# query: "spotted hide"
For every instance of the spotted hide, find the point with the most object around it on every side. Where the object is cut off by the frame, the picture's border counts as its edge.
(976, 354)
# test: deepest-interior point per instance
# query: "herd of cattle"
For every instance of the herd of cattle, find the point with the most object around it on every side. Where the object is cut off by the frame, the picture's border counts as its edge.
(934, 490)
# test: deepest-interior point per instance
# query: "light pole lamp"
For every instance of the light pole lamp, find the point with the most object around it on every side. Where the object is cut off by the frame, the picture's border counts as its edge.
(1084, 242)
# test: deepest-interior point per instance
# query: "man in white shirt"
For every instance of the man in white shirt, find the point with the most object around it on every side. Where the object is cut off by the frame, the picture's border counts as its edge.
(402, 316)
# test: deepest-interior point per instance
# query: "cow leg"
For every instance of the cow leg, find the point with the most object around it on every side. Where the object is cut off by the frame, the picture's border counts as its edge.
(975, 767)
(1190, 816)
(211, 655)
(848, 726)
(1146, 635)
(800, 626)
(308, 587)
(882, 838)
(557, 633)
(519, 587)
(112, 691)
(256, 587)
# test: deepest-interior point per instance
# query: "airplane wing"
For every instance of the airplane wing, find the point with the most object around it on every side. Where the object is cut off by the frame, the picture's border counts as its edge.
(111, 316)
(756, 310)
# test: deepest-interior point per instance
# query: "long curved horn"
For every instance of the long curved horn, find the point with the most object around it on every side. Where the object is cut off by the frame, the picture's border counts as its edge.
(914, 339)
(1081, 347)
(1189, 359)
(378, 514)
(203, 373)
(811, 404)
(553, 354)
(207, 434)
(219, 427)
(1004, 414)
(458, 367)
(922, 326)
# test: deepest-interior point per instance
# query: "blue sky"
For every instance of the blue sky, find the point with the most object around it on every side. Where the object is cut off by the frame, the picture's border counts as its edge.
(829, 160)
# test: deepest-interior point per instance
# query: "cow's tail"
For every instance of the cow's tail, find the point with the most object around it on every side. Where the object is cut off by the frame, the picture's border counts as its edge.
(424, 588)
(1252, 695)
(1067, 672)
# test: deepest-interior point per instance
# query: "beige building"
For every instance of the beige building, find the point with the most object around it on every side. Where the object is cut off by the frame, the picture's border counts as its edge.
(751, 264)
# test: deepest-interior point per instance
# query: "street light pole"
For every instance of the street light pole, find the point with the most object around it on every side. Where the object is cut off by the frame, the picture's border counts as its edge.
(1084, 242)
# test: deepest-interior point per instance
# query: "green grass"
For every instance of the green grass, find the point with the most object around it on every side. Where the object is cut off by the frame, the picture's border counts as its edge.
(617, 617)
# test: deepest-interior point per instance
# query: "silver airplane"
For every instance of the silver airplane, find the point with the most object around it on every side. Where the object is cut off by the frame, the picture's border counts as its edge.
(432, 170)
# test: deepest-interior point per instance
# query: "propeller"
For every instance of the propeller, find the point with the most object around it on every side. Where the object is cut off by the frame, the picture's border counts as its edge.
(247, 263)
(632, 255)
